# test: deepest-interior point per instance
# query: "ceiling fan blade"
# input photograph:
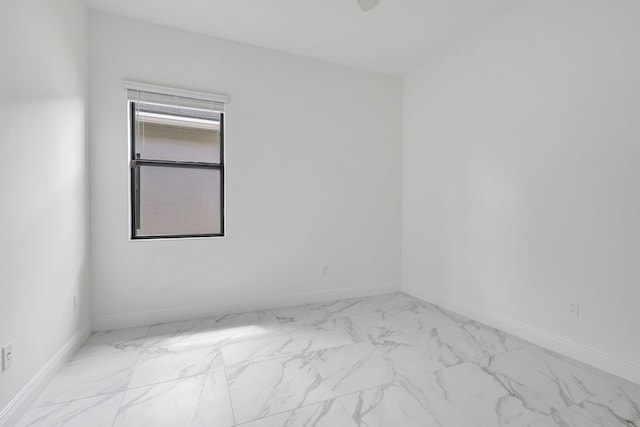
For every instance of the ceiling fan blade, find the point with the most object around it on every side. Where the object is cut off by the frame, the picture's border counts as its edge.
(367, 5)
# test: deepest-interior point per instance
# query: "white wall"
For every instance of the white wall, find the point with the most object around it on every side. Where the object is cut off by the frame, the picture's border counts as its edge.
(313, 177)
(44, 231)
(521, 177)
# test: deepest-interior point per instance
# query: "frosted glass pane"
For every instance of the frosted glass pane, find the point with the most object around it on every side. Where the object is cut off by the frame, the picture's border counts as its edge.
(179, 201)
(162, 137)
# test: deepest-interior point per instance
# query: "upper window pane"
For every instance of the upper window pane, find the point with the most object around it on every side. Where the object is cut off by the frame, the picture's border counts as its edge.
(178, 135)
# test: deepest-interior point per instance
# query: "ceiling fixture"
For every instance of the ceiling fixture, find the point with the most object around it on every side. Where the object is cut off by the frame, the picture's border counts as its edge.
(367, 5)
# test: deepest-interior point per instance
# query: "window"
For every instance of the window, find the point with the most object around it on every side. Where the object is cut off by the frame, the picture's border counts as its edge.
(177, 164)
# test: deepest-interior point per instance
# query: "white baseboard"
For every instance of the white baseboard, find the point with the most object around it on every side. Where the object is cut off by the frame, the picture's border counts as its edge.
(220, 307)
(626, 369)
(11, 414)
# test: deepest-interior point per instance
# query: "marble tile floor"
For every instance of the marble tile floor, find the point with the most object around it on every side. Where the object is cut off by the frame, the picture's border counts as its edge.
(387, 360)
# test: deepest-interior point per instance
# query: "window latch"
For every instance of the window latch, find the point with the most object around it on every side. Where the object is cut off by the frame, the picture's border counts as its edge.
(134, 162)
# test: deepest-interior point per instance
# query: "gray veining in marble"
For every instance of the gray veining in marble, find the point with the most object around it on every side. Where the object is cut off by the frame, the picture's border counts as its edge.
(618, 407)
(178, 332)
(235, 320)
(101, 343)
(349, 307)
(266, 388)
(485, 397)
(246, 348)
(325, 414)
(562, 381)
(402, 404)
(325, 334)
(98, 411)
(300, 314)
(201, 400)
(173, 361)
(88, 377)
(353, 367)
(378, 325)
(385, 360)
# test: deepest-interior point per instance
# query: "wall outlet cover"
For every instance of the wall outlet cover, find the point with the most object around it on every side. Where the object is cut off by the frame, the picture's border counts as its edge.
(574, 308)
(7, 356)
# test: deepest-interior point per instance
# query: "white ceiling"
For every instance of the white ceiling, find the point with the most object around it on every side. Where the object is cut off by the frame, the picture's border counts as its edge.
(392, 38)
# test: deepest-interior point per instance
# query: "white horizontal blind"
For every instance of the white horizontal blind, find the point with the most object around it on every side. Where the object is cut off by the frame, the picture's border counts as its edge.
(176, 98)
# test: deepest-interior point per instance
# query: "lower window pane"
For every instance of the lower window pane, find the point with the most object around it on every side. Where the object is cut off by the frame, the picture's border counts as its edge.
(179, 201)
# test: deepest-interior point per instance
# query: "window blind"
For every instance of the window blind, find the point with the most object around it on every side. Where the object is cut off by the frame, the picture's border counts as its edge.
(171, 101)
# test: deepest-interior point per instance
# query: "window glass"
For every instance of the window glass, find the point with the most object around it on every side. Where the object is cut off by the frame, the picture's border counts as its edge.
(177, 170)
(166, 137)
(179, 201)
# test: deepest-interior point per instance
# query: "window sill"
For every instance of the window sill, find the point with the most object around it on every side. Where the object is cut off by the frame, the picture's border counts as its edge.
(164, 239)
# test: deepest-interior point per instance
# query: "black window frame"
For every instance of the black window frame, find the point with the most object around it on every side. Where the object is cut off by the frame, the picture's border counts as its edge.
(136, 162)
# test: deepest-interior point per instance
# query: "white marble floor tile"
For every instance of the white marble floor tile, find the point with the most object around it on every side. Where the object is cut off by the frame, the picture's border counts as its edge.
(387, 360)
(570, 418)
(183, 331)
(87, 377)
(455, 345)
(326, 334)
(267, 318)
(444, 347)
(414, 354)
(379, 324)
(353, 367)
(98, 411)
(266, 388)
(252, 323)
(455, 316)
(550, 422)
(426, 318)
(398, 302)
(245, 348)
(380, 299)
(563, 381)
(301, 313)
(103, 343)
(401, 404)
(483, 397)
(173, 361)
(349, 307)
(238, 319)
(325, 414)
(619, 407)
(250, 330)
(197, 401)
(491, 341)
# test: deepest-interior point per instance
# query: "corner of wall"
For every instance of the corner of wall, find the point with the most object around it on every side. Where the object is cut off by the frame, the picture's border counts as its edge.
(607, 362)
(17, 407)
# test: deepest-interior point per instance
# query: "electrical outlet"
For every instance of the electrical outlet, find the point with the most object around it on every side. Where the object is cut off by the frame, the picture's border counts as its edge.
(574, 308)
(325, 270)
(7, 356)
